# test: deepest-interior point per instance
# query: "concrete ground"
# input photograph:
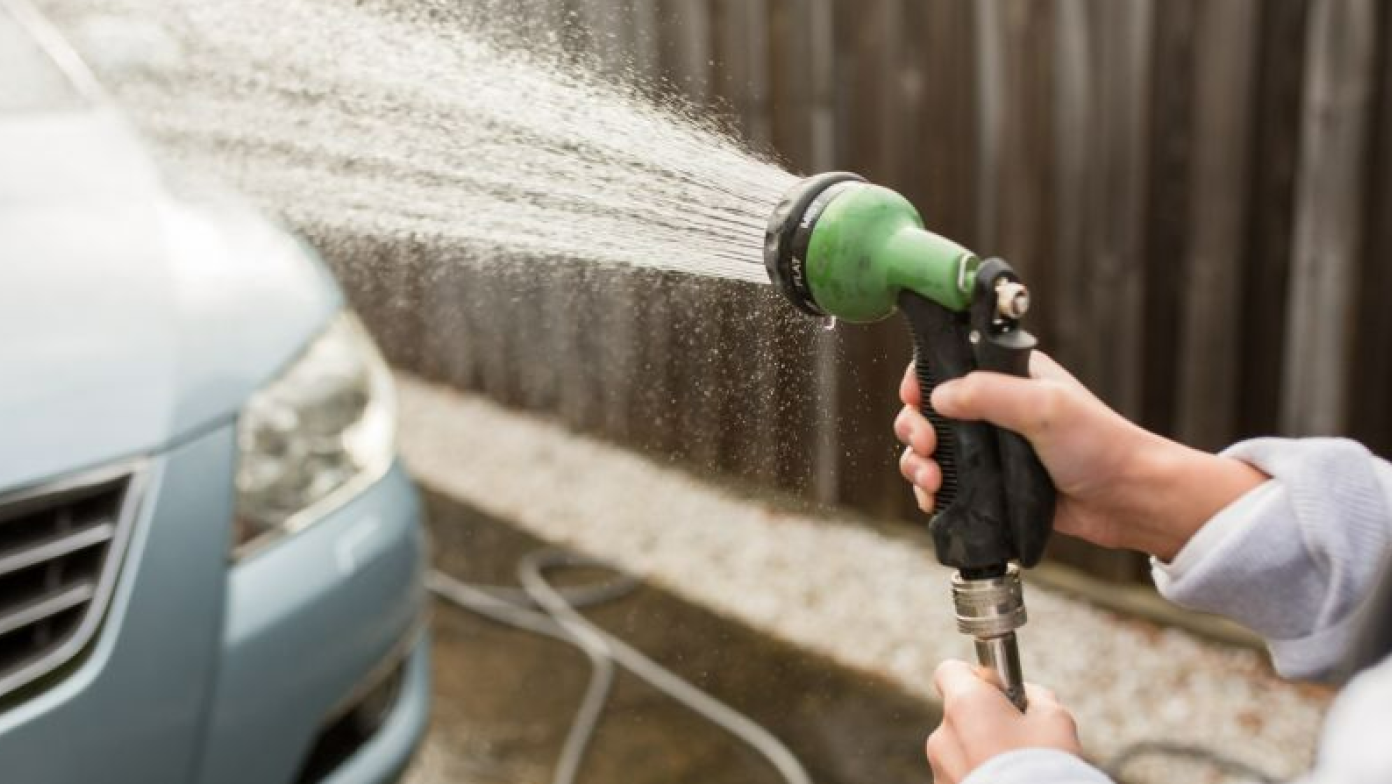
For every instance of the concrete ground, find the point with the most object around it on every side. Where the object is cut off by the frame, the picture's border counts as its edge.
(826, 629)
(504, 699)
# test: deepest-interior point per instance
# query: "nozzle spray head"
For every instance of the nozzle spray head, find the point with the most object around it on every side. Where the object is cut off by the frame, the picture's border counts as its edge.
(838, 246)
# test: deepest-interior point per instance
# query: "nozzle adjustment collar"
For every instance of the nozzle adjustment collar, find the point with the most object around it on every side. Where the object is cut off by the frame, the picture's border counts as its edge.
(784, 257)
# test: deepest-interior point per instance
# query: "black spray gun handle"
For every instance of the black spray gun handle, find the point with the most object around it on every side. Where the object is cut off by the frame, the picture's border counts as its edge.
(996, 502)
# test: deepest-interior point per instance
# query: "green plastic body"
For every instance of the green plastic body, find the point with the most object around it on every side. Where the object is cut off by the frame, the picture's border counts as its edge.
(868, 244)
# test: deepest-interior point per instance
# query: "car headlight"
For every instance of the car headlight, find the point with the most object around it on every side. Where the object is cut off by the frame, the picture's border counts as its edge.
(318, 434)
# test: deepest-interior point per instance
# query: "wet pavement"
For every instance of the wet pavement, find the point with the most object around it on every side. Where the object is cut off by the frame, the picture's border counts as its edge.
(869, 597)
(504, 699)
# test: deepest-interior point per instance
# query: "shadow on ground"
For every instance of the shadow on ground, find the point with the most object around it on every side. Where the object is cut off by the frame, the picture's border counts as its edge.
(504, 699)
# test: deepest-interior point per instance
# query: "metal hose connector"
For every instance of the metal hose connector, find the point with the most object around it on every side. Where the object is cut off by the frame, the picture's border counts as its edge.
(990, 609)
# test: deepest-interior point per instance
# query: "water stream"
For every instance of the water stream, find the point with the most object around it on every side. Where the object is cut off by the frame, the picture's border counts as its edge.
(381, 119)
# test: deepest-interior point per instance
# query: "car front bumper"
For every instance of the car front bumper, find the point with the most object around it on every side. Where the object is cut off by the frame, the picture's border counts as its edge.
(313, 624)
(384, 756)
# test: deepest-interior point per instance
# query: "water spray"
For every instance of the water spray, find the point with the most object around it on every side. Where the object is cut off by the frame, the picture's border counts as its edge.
(839, 246)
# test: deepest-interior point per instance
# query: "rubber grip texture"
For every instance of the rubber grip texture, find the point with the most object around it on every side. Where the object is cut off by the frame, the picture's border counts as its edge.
(970, 528)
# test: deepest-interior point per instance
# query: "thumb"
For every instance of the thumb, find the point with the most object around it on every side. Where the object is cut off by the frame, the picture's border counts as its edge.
(1023, 405)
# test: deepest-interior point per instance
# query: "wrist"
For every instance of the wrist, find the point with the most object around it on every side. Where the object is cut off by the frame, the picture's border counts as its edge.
(1035, 764)
(1182, 489)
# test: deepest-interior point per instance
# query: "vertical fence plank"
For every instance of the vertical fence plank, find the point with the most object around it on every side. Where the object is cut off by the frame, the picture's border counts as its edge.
(643, 23)
(942, 134)
(1275, 145)
(907, 133)
(620, 320)
(988, 33)
(696, 314)
(383, 283)
(789, 90)
(756, 433)
(858, 98)
(451, 343)
(790, 94)
(1102, 95)
(603, 26)
(886, 60)
(572, 296)
(613, 322)
(1101, 89)
(688, 33)
(1023, 174)
(471, 344)
(740, 66)
(820, 65)
(652, 415)
(539, 340)
(1333, 155)
(1109, 269)
(1370, 374)
(748, 34)
(904, 128)
(750, 395)
(588, 294)
(936, 139)
(1222, 79)
(1166, 239)
(1073, 97)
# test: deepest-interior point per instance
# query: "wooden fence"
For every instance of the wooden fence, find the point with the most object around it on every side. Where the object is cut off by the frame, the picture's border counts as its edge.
(1199, 191)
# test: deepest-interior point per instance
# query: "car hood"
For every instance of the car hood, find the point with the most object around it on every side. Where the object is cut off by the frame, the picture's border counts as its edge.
(129, 318)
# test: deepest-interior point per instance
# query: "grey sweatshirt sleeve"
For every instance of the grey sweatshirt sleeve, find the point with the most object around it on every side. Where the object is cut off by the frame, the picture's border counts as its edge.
(1353, 749)
(1354, 746)
(1293, 558)
(1036, 766)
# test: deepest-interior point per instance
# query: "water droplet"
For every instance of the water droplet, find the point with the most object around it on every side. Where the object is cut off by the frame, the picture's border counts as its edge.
(829, 323)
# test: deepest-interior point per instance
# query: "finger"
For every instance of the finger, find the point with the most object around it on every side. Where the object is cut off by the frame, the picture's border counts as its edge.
(949, 672)
(926, 501)
(956, 678)
(922, 473)
(1044, 703)
(1040, 694)
(908, 464)
(913, 429)
(965, 694)
(1042, 365)
(1026, 406)
(1047, 714)
(946, 757)
(909, 391)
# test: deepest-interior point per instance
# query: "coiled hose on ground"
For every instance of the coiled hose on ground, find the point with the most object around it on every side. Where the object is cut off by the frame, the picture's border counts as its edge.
(541, 608)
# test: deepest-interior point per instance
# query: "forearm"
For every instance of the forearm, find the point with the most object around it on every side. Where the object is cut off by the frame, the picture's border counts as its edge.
(1293, 558)
(1176, 490)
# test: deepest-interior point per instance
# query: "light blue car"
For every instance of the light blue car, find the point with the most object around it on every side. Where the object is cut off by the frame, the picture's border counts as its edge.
(211, 563)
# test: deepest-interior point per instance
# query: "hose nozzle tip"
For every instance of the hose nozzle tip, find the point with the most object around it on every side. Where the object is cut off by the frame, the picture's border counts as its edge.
(1012, 299)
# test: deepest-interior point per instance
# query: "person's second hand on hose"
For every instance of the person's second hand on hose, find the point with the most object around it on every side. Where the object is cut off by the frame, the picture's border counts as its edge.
(1284, 536)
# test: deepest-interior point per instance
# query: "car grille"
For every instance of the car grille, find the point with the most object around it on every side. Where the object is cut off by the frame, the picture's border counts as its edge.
(60, 551)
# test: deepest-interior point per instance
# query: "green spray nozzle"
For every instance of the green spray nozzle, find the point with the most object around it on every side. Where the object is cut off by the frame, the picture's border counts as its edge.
(839, 246)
